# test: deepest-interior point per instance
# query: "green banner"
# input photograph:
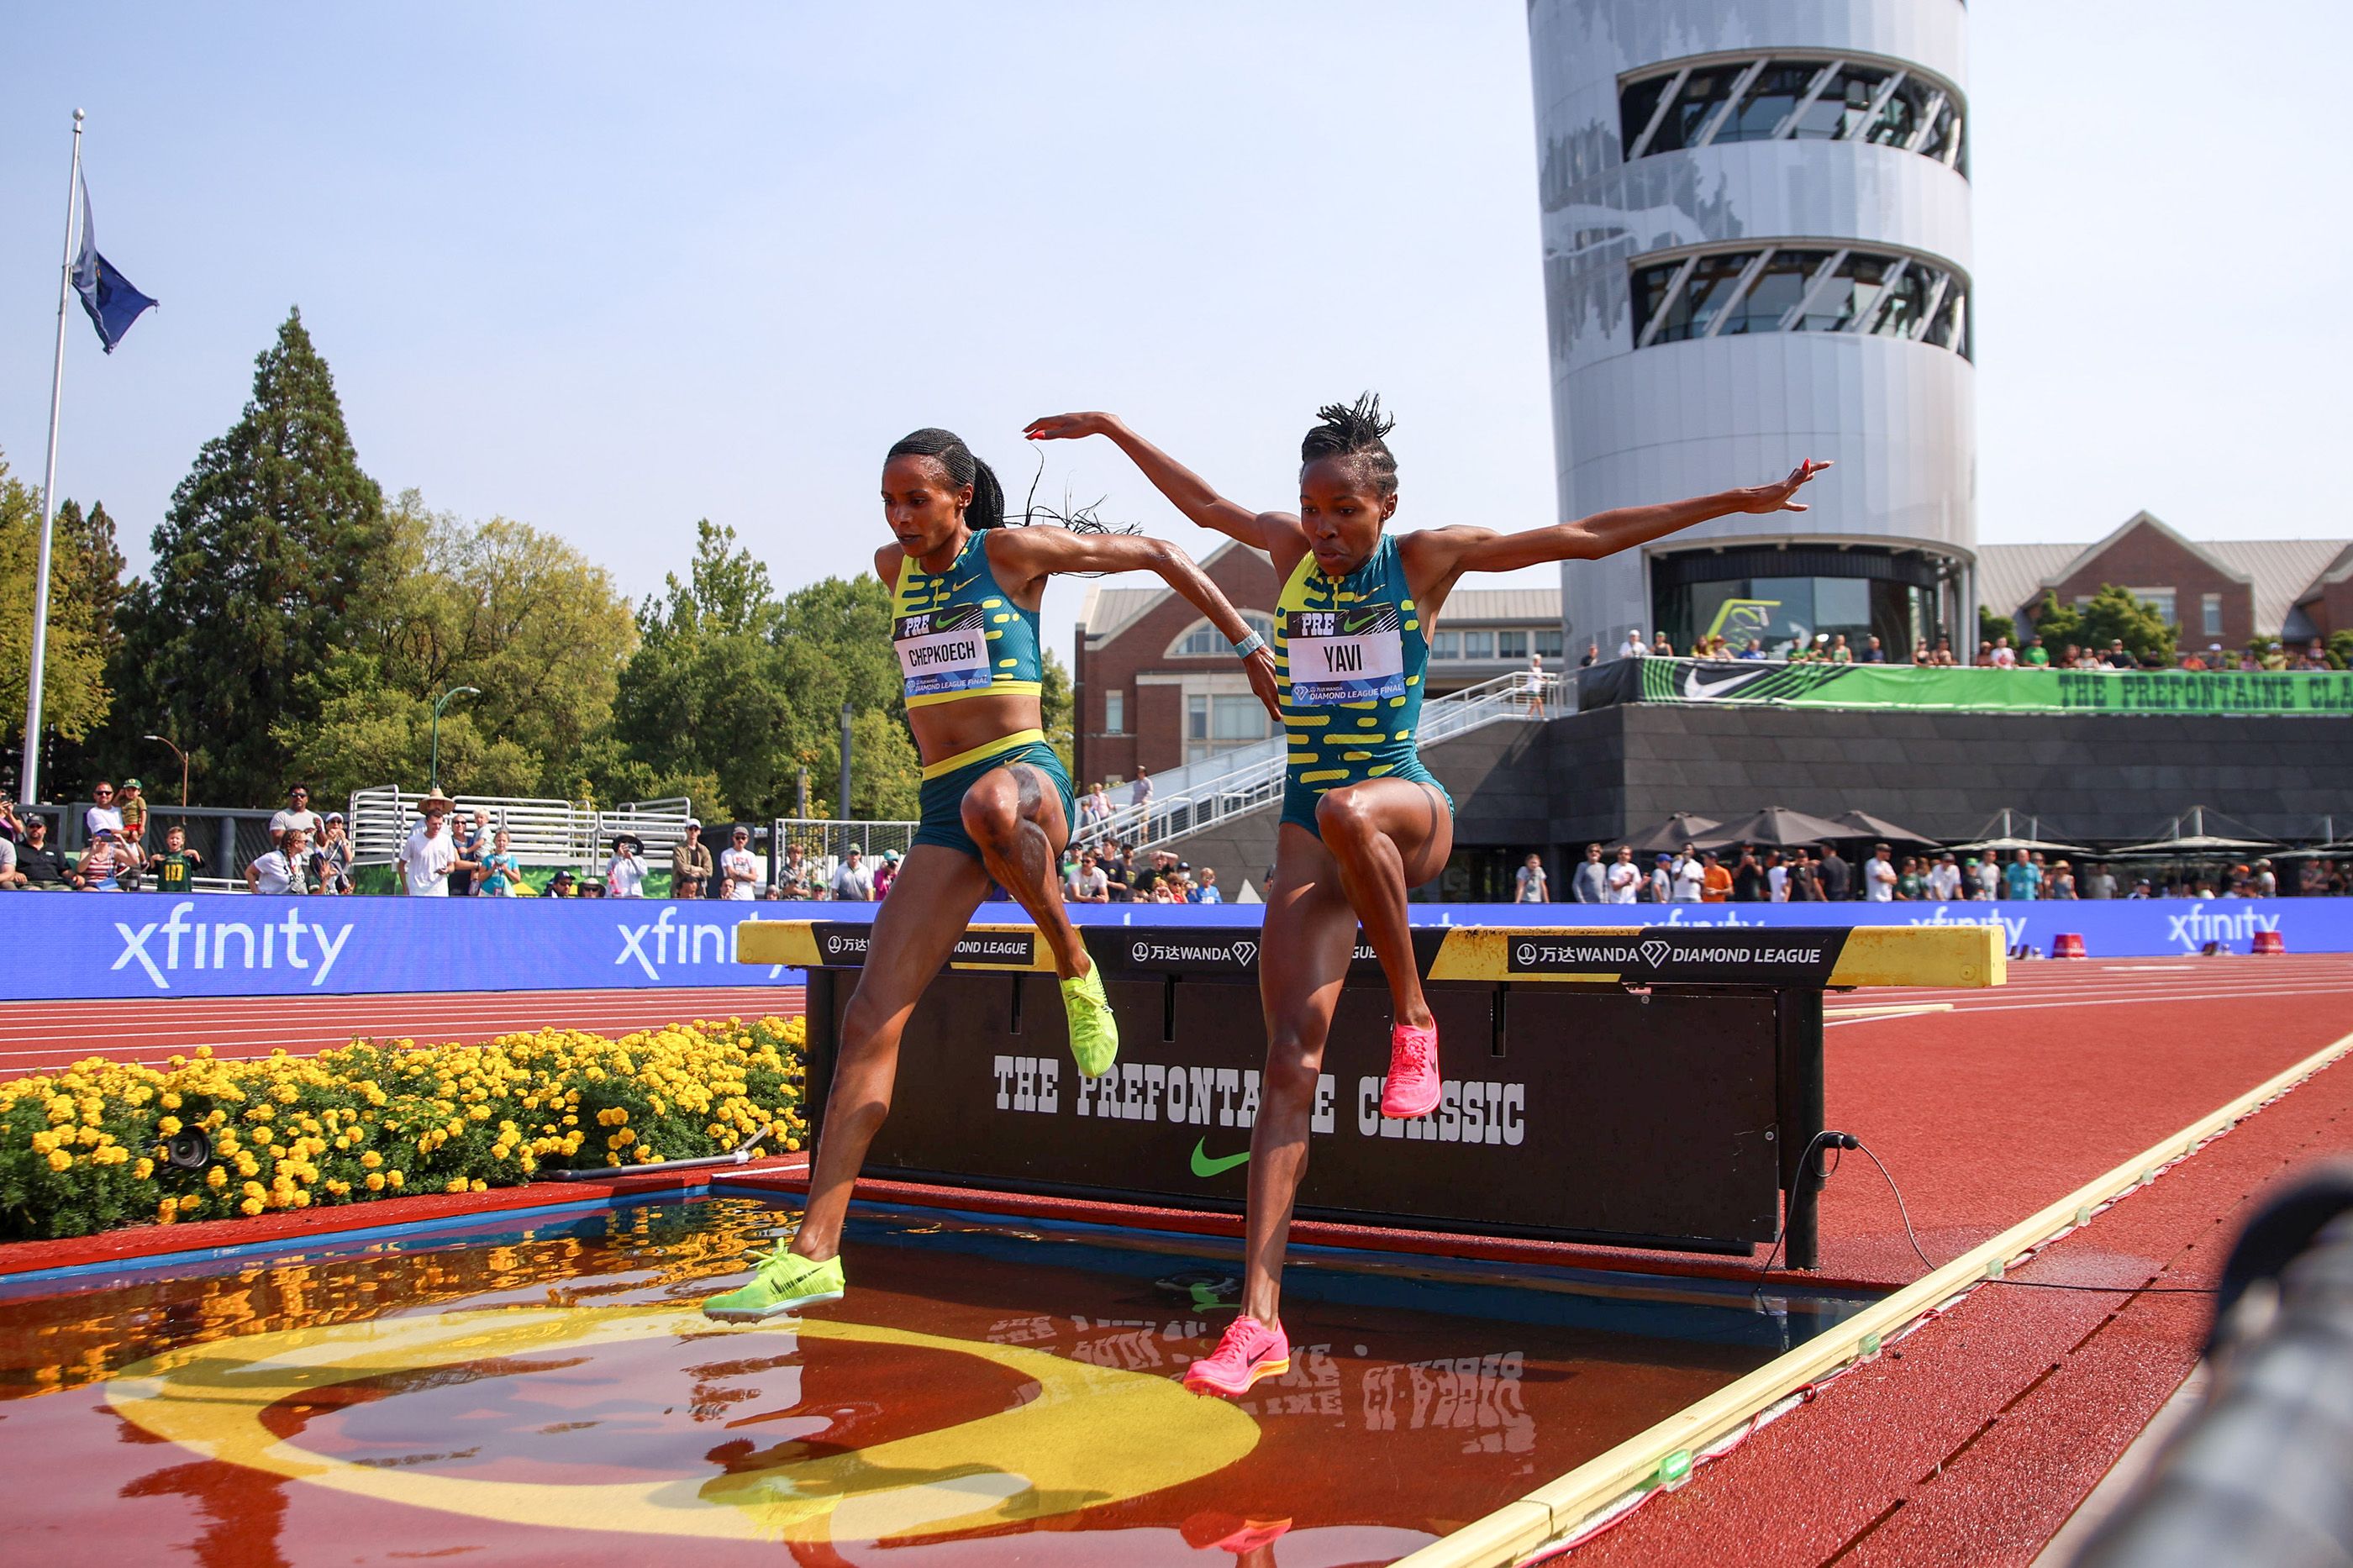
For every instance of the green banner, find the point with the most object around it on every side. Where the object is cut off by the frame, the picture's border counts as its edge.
(2291, 692)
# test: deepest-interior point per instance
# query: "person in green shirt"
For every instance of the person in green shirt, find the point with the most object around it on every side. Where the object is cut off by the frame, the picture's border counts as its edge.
(2035, 657)
(175, 868)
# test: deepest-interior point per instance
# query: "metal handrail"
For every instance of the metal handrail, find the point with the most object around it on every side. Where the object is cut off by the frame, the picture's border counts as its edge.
(1236, 782)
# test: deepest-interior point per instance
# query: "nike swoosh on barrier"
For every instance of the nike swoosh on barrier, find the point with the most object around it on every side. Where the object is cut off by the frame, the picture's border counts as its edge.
(1205, 1167)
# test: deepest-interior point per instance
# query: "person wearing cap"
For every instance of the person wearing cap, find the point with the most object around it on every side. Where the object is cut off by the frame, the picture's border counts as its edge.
(1662, 879)
(560, 885)
(852, 882)
(625, 874)
(886, 873)
(103, 862)
(298, 813)
(331, 857)
(739, 868)
(431, 854)
(689, 863)
(133, 807)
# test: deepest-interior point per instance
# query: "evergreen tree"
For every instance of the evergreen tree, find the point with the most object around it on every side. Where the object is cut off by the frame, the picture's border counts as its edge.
(85, 578)
(267, 541)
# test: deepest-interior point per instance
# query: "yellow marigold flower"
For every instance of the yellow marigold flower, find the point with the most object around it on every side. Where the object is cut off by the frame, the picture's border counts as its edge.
(166, 1212)
(60, 1161)
(189, 1202)
(371, 1159)
(375, 1181)
(250, 1206)
(394, 1180)
(216, 1177)
(480, 1185)
(146, 1169)
(169, 1101)
(455, 1185)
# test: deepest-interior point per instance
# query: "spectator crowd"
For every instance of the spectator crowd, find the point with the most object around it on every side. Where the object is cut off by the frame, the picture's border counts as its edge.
(1832, 647)
(1752, 874)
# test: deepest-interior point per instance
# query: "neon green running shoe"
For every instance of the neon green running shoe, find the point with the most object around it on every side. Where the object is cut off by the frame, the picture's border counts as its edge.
(1095, 1036)
(786, 1282)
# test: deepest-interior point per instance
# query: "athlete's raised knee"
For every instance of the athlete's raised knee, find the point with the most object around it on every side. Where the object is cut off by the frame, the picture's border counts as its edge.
(992, 814)
(1343, 814)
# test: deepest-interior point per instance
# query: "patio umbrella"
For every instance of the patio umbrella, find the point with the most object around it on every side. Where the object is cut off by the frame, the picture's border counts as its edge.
(1683, 827)
(1779, 827)
(1866, 826)
(2189, 837)
(2002, 837)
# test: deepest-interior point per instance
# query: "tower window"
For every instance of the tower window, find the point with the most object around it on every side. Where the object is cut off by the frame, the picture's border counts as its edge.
(1729, 293)
(1671, 107)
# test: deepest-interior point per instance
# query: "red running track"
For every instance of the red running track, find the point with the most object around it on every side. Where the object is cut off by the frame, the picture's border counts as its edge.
(43, 1037)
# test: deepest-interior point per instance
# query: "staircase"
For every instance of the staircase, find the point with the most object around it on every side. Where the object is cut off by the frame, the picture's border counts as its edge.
(1200, 794)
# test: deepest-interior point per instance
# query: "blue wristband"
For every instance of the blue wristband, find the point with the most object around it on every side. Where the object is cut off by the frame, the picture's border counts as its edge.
(1250, 645)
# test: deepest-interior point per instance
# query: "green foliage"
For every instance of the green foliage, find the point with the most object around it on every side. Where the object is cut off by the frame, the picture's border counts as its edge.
(2341, 649)
(733, 684)
(519, 614)
(1055, 708)
(85, 575)
(1991, 627)
(2112, 613)
(268, 542)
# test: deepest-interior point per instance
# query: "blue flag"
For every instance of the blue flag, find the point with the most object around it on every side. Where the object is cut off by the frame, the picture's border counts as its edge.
(113, 303)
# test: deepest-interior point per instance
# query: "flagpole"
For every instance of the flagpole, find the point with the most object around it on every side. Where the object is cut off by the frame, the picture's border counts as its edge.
(29, 783)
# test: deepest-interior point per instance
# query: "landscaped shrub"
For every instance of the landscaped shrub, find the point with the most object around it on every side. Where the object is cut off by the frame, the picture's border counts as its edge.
(83, 1150)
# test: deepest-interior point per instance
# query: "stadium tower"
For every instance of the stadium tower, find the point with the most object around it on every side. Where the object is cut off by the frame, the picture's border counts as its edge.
(1756, 249)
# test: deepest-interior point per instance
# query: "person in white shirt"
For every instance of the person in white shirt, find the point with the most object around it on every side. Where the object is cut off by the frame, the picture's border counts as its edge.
(1690, 877)
(1530, 887)
(852, 883)
(2004, 656)
(281, 871)
(298, 813)
(739, 868)
(1633, 647)
(1625, 879)
(431, 854)
(1776, 877)
(1088, 885)
(1944, 880)
(105, 813)
(625, 877)
(1879, 877)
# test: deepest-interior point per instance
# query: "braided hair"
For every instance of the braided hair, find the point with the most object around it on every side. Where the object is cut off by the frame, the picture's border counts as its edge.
(987, 508)
(1354, 431)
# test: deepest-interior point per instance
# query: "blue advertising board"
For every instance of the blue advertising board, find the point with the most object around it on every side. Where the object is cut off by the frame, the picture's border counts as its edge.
(90, 945)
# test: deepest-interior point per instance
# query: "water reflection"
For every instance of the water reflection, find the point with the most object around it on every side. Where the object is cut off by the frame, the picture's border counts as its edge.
(979, 1391)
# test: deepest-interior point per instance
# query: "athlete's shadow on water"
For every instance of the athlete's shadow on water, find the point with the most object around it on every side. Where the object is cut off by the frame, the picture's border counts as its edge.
(804, 1480)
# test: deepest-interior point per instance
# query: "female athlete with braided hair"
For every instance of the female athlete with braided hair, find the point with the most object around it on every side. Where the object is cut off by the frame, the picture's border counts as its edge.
(995, 800)
(1362, 818)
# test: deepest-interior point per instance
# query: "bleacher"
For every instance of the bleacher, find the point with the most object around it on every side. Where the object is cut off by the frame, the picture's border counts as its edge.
(539, 832)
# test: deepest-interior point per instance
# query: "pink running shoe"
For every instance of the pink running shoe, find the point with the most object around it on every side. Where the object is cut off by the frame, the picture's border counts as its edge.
(1249, 1351)
(1413, 1088)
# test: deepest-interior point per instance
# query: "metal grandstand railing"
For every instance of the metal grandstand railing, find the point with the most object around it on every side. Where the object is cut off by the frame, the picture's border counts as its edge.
(540, 832)
(1200, 795)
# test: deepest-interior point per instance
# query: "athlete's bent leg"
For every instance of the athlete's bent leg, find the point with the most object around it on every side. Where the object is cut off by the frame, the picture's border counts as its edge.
(1387, 835)
(1014, 814)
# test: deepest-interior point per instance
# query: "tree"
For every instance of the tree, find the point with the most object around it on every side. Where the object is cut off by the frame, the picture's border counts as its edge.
(2341, 649)
(1992, 627)
(269, 540)
(2110, 614)
(1054, 707)
(517, 614)
(85, 580)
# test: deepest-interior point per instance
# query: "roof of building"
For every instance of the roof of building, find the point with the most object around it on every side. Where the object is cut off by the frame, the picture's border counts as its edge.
(1506, 607)
(2280, 571)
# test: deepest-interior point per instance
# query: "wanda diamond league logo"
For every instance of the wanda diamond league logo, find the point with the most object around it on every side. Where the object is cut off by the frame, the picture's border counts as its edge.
(1655, 950)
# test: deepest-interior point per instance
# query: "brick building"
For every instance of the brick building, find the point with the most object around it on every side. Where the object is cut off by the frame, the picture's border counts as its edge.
(2216, 591)
(1154, 683)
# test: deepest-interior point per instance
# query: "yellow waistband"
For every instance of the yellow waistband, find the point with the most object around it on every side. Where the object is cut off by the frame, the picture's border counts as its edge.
(986, 750)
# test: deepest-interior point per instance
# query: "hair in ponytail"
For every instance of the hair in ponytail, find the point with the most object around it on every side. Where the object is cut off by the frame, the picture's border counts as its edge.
(987, 507)
(1354, 431)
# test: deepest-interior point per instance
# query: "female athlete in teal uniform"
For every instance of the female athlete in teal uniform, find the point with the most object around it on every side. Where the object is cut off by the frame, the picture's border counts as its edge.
(995, 800)
(1362, 818)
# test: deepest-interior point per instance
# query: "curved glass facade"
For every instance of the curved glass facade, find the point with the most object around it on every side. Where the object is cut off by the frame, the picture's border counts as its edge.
(1784, 598)
(1799, 288)
(1671, 108)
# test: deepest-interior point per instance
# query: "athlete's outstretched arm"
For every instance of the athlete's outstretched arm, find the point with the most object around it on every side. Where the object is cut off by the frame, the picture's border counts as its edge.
(1186, 490)
(1443, 554)
(1026, 554)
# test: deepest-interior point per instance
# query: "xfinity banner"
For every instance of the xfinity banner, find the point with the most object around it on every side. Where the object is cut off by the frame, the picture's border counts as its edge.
(78, 945)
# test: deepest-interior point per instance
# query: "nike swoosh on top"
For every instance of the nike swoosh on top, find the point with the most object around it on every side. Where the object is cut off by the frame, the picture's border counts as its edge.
(1204, 1167)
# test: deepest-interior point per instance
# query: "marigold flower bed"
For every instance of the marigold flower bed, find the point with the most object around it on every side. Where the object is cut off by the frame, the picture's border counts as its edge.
(83, 1151)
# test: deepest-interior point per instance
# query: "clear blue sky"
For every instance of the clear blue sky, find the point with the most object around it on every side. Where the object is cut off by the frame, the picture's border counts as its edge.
(609, 276)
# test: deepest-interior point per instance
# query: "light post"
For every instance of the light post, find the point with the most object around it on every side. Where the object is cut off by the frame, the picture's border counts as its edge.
(438, 703)
(184, 773)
